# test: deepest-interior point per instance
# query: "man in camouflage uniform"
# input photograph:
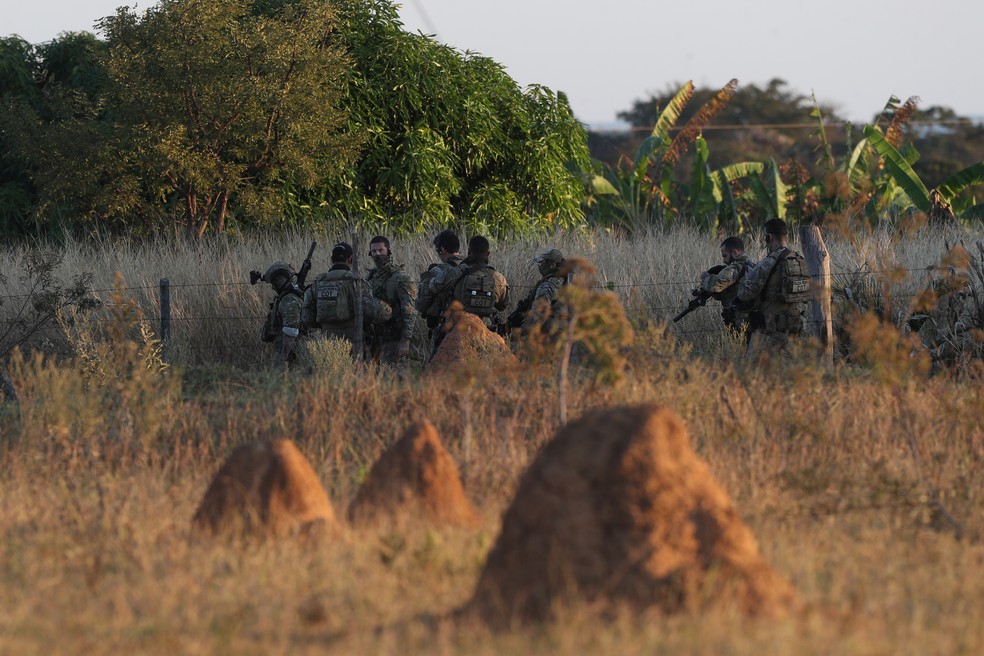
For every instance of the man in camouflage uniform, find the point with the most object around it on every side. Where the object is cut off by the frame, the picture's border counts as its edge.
(540, 303)
(340, 276)
(390, 284)
(723, 285)
(445, 284)
(772, 321)
(431, 303)
(283, 323)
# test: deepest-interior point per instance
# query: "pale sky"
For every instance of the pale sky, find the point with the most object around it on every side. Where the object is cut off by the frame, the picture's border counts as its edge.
(605, 55)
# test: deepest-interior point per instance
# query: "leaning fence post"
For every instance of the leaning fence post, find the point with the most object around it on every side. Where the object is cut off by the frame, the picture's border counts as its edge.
(359, 319)
(818, 259)
(165, 313)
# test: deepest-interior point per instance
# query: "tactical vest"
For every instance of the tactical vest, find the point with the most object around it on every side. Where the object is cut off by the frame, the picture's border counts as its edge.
(334, 297)
(380, 285)
(273, 327)
(432, 304)
(475, 290)
(786, 291)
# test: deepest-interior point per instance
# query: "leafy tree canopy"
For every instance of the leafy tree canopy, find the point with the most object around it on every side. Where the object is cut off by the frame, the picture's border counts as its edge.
(207, 113)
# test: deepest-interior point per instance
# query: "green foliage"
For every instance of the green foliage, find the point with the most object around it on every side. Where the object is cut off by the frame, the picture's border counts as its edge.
(450, 137)
(646, 192)
(216, 103)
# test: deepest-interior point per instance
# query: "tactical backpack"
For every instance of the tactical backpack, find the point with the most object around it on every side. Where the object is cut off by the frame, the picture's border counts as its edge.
(794, 278)
(334, 295)
(475, 290)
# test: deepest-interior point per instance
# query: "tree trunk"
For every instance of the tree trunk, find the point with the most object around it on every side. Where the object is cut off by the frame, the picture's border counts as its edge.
(223, 206)
(818, 259)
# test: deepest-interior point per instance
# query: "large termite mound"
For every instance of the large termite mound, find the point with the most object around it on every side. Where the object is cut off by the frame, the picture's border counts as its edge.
(265, 488)
(469, 345)
(414, 479)
(619, 509)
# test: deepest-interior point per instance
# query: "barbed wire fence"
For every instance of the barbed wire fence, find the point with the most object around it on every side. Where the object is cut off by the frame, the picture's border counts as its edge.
(173, 328)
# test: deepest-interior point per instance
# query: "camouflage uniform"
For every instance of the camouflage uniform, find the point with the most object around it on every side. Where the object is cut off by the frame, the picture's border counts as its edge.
(430, 302)
(772, 322)
(395, 288)
(283, 324)
(724, 286)
(442, 285)
(373, 311)
(546, 289)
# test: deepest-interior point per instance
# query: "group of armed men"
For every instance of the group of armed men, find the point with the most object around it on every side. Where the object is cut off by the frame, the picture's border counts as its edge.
(765, 301)
(391, 302)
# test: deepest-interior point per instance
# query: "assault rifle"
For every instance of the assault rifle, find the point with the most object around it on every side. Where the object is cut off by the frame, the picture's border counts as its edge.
(305, 266)
(517, 316)
(700, 296)
(256, 276)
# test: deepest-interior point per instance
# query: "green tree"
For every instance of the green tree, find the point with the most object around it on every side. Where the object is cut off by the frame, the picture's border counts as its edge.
(46, 130)
(217, 101)
(17, 85)
(450, 136)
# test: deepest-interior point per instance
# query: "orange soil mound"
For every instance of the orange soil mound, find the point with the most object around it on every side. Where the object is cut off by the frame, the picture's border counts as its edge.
(266, 488)
(414, 478)
(470, 344)
(618, 508)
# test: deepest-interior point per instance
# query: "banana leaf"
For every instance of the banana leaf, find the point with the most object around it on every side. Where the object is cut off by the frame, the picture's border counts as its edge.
(968, 177)
(659, 140)
(770, 192)
(669, 116)
(899, 169)
(975, 213)
(602, 187)
(722, 178)
(704, 197)
(851, 168)
(650, 146)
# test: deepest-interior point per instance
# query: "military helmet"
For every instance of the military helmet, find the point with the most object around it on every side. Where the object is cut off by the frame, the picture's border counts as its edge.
(276, 268)
(553, 256)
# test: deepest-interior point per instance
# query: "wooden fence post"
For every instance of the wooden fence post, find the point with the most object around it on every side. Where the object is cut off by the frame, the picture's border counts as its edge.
(357, 341)
(165, 313)
(818, 259)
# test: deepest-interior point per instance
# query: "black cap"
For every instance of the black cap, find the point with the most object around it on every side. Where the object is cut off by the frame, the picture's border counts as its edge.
(341, 252)
(775, 227)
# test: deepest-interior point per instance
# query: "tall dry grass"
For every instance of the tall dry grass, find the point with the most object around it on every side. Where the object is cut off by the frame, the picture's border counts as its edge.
(862, 484)
(216, 314)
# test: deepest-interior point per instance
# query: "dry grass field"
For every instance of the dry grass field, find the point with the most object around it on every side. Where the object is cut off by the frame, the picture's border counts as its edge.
(862, 484)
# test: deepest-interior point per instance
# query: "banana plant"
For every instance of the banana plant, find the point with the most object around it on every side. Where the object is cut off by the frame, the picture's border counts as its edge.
(770, 191)
(644, 191)
(934, 201)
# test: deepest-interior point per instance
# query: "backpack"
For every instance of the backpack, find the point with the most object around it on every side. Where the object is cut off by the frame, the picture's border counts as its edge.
(475, 290)
(794, 278)
(333, 297)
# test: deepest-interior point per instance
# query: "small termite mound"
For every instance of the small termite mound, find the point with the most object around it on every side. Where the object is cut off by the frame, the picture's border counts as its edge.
(414, 479)
(265, 489)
